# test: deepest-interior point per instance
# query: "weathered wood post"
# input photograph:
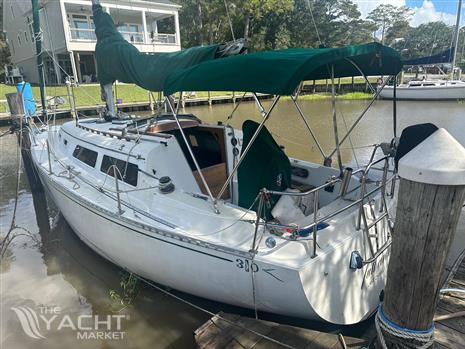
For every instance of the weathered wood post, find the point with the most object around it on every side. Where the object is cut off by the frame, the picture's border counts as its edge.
(431, 195)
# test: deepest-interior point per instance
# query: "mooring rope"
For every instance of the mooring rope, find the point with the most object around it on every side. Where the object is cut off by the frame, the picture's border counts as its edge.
(5, 133)
(425, 338)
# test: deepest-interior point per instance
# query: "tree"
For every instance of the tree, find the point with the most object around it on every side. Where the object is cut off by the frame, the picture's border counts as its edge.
(387, 18)
(425, 40)
(4, 51)
(328, 23)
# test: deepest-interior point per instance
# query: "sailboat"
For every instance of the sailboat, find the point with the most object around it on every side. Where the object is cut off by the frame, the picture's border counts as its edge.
(223, 213)
(445, 89)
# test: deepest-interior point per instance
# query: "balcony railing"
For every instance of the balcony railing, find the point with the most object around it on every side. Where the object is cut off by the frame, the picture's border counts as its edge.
(88, 35)
(164, 38)
(80, 34)
(133, 37)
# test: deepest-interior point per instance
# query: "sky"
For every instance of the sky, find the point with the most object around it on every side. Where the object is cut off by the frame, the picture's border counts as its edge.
(424, 10)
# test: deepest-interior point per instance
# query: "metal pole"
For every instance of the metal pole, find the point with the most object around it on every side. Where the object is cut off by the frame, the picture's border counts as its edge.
(394, 107)
(246, 150)
(375, 97)
(363, 74)
(118, 198)
(294, 99)
(336, 133)
(456, 36)
(259, 104)
(315, 218)
(48, 155)
(40, 63)
(259, 213)
(204, 182)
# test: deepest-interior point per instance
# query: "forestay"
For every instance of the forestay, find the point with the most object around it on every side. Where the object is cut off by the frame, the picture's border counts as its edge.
(281, 71)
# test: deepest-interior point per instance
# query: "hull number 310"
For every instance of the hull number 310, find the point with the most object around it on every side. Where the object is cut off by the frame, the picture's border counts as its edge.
(246, 265)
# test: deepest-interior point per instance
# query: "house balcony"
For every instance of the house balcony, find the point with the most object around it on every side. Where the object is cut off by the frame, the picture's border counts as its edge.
(149, 29)
(88, 35)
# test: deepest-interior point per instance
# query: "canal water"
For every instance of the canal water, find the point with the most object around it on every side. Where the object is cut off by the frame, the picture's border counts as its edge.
(48, 273)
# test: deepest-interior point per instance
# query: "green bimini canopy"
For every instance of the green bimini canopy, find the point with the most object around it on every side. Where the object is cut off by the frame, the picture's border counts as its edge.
(280, 72)
(118, 60)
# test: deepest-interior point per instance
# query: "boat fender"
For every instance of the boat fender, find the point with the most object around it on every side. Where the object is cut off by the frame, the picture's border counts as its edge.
(165, 185)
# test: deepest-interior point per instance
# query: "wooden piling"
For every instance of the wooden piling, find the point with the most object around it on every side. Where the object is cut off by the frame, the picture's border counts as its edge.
(431, 196)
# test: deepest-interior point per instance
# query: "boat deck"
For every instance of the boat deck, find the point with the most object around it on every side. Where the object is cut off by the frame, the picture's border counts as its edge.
(450, 332)
(234, 331)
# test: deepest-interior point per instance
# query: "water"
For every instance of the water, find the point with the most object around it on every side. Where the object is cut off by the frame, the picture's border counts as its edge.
(48, 265)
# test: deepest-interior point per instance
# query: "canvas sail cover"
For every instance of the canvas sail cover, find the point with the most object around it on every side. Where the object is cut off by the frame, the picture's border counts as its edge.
(281, 71)
(441, 57)
(118, 60)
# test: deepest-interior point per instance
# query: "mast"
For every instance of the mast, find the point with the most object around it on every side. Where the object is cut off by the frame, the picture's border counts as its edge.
(456, 36)
(40, 63)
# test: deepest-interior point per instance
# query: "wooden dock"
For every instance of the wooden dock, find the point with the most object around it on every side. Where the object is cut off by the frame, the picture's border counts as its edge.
(450, 332)
(92, 110)
(234, 331)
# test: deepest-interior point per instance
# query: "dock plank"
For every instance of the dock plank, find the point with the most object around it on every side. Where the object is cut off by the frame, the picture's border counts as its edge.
(226, 331)
(450, 333)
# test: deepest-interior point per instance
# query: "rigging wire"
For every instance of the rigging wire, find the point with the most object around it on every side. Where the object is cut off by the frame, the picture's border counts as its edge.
(314, 23)
(229, 19)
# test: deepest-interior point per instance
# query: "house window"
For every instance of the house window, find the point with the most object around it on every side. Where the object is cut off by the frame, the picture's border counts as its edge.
(87, 156)
(19, 40)
(126, 171)
(82, 27)
(131, 32)
(25, 37)
(31, 29)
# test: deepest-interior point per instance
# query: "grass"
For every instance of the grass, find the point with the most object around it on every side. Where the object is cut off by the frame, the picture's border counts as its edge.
(345, 96)
(89, 95)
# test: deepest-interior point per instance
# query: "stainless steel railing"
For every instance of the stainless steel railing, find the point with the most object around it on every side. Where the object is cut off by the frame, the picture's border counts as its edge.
(364, 196)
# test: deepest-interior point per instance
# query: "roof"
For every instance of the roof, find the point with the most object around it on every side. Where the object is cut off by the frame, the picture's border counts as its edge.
(281, 71)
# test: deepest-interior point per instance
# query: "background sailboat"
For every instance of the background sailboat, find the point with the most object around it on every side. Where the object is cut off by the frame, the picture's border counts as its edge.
(445, 89)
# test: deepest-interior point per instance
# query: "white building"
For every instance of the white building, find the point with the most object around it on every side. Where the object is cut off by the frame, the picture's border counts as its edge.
(69, 37)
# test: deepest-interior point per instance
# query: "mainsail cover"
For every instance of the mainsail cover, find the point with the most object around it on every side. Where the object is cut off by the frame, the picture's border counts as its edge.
(442, 57)
(118, 60)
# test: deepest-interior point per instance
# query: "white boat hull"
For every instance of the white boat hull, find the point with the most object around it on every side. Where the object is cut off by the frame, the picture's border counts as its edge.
(311, 293)
(276, 280)
(424, 92)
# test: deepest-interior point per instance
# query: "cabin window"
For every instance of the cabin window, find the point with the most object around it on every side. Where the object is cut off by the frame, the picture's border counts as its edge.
(87, 156)
(127, 172)
(19, 40)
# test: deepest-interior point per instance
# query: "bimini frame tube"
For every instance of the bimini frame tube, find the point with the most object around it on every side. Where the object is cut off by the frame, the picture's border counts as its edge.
(310, 130)
(246, 150)
(361, 72)
(375, 97)
(336, 133)
(204, 182)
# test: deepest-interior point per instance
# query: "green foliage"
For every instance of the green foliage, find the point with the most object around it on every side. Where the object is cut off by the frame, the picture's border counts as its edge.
(390, 20)
(274, 24)
(425, 40)
(130, 289)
